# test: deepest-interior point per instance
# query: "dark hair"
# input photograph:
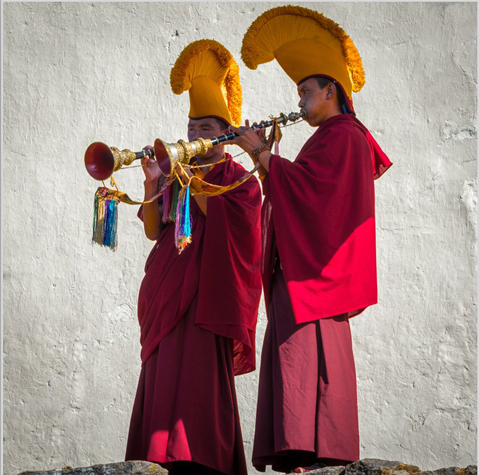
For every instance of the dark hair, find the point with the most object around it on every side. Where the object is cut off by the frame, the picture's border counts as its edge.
(223, 125)
(323, 82)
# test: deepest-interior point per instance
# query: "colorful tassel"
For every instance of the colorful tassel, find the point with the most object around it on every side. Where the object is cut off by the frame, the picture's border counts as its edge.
(105, 217)
(183, 226)
(174, 201)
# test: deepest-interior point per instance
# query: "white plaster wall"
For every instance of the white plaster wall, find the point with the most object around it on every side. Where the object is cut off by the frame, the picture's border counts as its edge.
(75, 73)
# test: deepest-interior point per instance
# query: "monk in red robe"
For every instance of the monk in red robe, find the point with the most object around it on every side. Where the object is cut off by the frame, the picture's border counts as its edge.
(319, 249)
(197, 310)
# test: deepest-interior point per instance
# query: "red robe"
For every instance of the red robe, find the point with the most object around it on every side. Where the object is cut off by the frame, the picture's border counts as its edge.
(318, 215)
(221, 266)
(318, 218)
(197, 314)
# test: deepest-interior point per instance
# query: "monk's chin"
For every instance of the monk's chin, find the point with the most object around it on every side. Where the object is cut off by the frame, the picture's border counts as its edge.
(305, 116)
(308, 121)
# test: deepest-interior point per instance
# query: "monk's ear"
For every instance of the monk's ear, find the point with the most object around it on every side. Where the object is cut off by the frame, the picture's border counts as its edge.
(223, 126)
(331, 90)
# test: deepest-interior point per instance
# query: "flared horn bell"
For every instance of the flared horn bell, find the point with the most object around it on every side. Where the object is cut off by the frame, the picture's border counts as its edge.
(162, 154)
(99, 161)
(169, 155)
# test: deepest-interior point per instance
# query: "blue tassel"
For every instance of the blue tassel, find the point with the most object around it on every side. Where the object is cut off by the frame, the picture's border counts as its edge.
(110, 221)
(186, 225)
(183, 220)
(107, 225)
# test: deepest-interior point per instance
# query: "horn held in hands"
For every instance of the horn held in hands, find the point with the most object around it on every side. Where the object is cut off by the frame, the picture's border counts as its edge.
(101, 161)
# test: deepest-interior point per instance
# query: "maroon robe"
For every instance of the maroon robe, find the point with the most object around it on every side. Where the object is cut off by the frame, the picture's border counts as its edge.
(319, 269)
(197, 313)
(319, 212)
(307, 403)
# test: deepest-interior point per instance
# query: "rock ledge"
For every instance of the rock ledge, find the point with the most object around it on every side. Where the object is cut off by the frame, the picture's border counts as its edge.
(361, 467)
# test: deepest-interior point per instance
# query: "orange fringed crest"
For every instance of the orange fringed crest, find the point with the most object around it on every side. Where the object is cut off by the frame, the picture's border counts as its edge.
(208, 58)
(233, 93)
(262, 40)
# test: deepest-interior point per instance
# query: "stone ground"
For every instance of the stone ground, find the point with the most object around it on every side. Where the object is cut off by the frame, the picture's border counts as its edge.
(361, 467)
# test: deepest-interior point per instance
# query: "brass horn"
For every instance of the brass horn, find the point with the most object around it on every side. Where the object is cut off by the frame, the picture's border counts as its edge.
(101, 160)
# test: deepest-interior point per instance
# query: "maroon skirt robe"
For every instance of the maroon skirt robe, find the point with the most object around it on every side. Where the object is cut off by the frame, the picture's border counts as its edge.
(185, 407)
(197, 313)
(307, 402)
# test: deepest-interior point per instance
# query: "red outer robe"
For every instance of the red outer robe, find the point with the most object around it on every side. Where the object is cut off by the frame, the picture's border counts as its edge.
(221, 266)
(318, 215)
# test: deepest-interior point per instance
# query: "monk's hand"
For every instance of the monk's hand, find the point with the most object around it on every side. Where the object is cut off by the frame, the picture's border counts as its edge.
(261, 132)
(248, 139)
(150, 168)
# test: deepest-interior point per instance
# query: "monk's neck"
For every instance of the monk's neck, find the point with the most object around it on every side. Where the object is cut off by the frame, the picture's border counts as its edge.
(209, 161)
(332, 114)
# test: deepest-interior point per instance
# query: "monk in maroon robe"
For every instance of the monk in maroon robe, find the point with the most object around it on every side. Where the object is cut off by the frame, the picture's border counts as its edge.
(319, 269)
(197, 313)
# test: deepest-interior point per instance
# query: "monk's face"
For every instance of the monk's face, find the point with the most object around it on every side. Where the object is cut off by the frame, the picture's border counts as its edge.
(319, 104)
(206, 128)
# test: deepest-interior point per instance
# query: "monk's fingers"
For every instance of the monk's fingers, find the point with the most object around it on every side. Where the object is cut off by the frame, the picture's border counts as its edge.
(236, 130)
(234, 139)
(148, 162)
(239, 130)
(244, 130)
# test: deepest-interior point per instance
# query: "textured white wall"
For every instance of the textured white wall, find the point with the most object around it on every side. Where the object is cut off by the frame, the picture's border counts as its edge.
(75, 73)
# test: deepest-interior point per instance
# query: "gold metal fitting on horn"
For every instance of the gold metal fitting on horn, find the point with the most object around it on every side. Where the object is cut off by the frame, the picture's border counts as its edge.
(122, 157)
(169, 155)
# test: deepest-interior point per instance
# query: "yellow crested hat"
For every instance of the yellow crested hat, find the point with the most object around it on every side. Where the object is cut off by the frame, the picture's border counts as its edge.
(305, 43)
(207, 70)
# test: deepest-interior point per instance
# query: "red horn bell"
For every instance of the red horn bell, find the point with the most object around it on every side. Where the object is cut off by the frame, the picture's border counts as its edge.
(99, 161)
(162, 157)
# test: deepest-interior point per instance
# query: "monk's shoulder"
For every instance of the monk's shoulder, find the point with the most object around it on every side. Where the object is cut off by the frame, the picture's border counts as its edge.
(238, 172)
(342, 146)
(237, 167)
(344, 131)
